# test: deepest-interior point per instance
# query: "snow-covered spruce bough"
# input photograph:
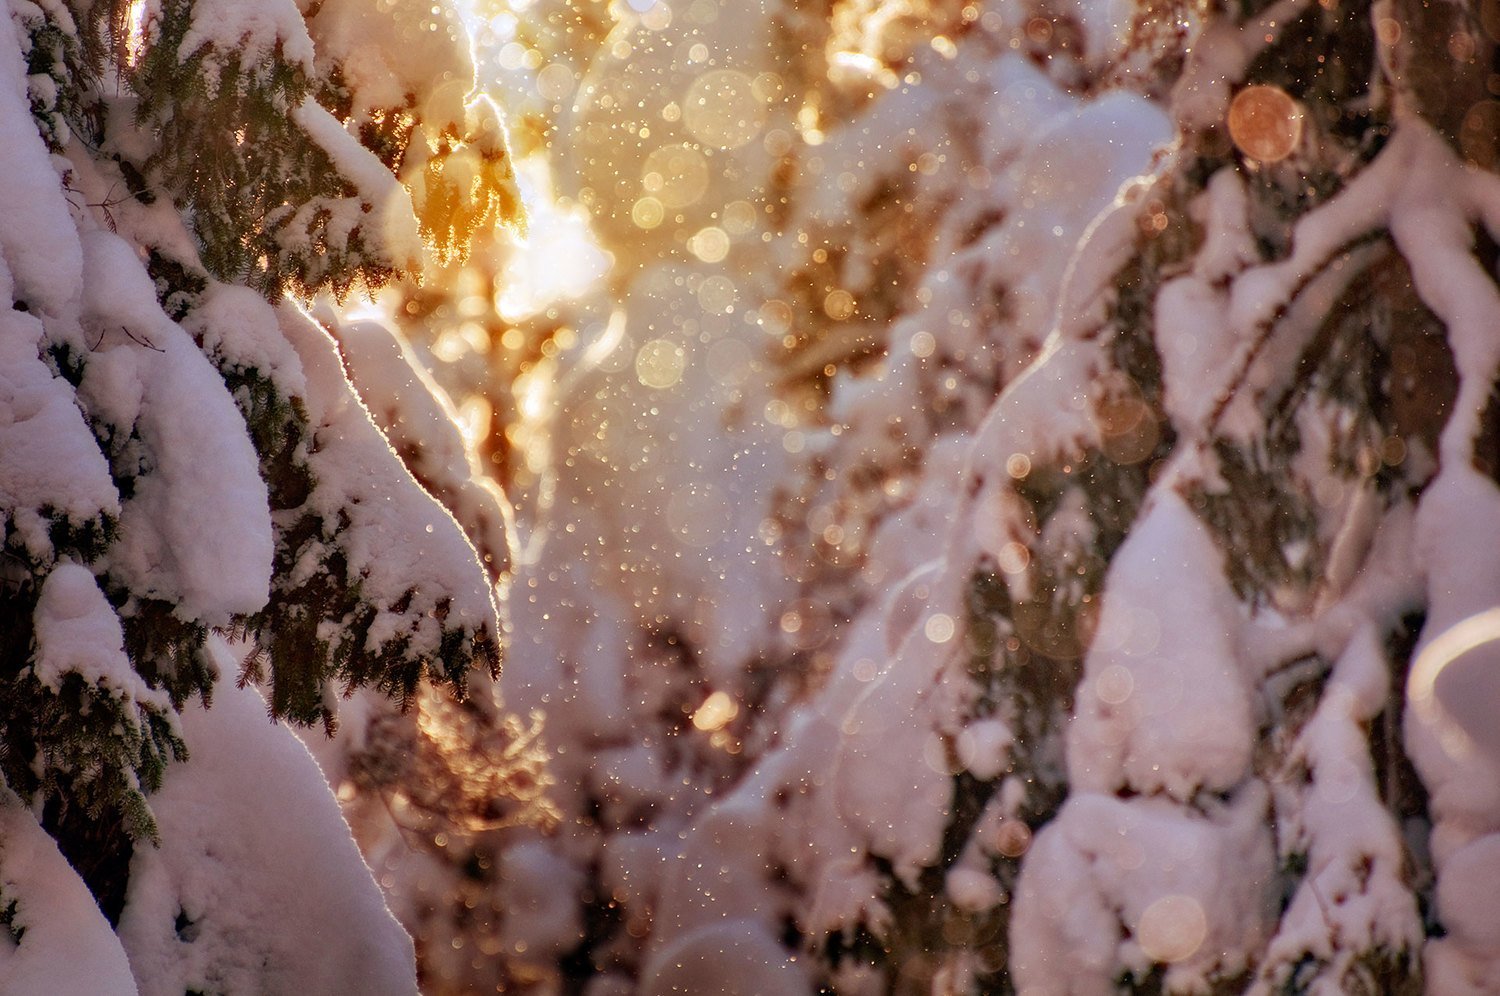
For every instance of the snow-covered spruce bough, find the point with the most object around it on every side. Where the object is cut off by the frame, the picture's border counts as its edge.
(186, 475)
(1210, 461)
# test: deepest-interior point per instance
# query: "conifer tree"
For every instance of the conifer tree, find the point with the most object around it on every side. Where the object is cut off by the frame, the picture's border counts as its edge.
(1140, 375)
(185, 465)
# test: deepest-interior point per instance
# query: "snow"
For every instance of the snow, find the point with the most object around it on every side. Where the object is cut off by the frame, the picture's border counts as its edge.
(733, 958)
(252, 32)
(693, 447)
(399, 541)
(1164, 705)
(77, 632)
(146, 370)
(37, 241)
(52, 461)
(57, 942)
(420, 422)
(1354, 897)
(540, 892)
(396, 55)
(256, 885)
(237, 328)
(383, 203)
(1120, 883)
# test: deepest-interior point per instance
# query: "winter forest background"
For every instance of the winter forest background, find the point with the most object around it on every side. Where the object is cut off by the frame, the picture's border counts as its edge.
(750, 496)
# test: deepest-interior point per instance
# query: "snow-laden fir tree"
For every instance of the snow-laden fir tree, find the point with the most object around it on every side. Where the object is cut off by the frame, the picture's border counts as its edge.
(187, 476)
(1120, 417)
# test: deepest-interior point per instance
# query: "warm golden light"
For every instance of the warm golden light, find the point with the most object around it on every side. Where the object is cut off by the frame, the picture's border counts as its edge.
(716, 712)
(1265, 123)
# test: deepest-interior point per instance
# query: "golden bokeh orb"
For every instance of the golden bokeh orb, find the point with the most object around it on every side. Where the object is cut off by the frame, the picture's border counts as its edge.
(1265, 123)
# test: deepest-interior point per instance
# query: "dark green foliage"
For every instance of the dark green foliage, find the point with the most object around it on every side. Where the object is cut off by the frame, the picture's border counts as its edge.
(51, 56)
(178, 285)
(89, 750)
(8, 912)
(294, 629)
(166, 650)
(1265, 522)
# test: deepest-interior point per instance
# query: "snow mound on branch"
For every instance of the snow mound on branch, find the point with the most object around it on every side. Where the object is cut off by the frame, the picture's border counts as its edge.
(396, 55)
(77, 632)
(254, 32)
(238, 327)
(57, 942)
(1132, 882)
(1164, 705)
(384, 512)
(421, 423)
(382, 202)
(37, 240)
(51, 460)
(145, 372)
(232, 860)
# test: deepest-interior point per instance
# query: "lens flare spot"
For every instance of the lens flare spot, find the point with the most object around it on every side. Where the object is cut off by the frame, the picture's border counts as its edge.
(1172, 929)
(1265, 123)
(1114, 684)
(722, 110)
(710, 244)
(839, 305)
(717, 295)
(659, 364)
(677, 175)
(716, 712)
(647, 213)
(939, 627)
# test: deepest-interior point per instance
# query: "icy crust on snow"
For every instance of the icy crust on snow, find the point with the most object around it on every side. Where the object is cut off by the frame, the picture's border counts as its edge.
(421, 423)
(37, 240)
(402, 547)
(78, 632)
(142, 372)
(52, 466)
(1112, 886)
(256, 885)
(253, 32)
(57, 943)
(1164, 704)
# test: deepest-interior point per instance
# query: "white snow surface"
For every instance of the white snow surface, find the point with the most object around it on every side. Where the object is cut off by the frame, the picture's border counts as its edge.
(238, 327)
(420, 421)
(389, 512)
(37, 240)
(1164, 705)
(257, 885)
(66, 948)
(1116, 883)
(396, 55)
(144, 372)
(383, 203)
(78, 632)
(251, 31)
(51, 457)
